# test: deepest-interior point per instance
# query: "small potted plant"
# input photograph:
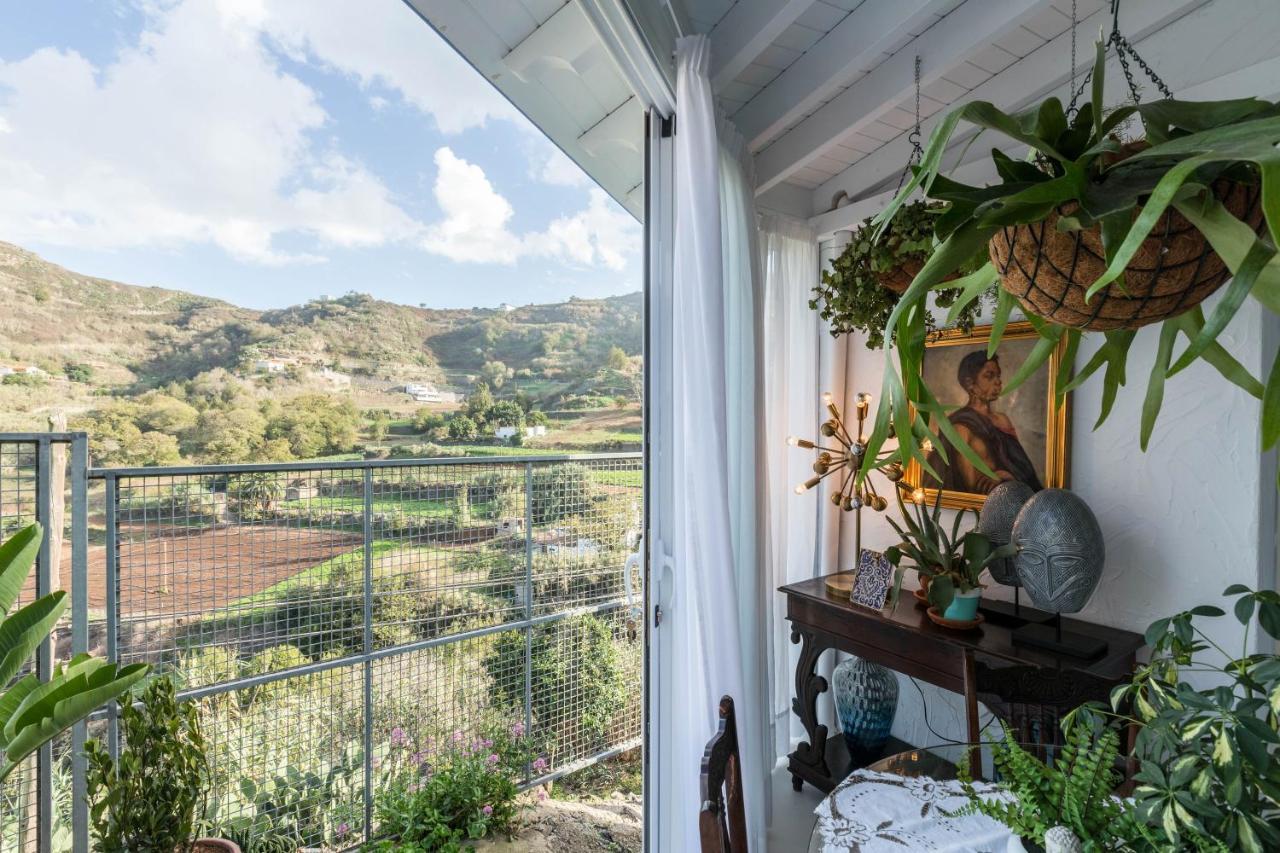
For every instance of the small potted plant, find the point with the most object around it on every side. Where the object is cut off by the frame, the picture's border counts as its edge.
(865, 281)
(952, 565)
(152, 796)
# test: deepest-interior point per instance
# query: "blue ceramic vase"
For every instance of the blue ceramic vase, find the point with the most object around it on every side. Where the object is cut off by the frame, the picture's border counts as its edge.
(866, 699)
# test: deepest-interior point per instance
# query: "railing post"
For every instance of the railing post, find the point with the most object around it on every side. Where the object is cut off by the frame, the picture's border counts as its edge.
(113, 604)
(528, 609)
(79, 630)
(368, 649)
(44, 655)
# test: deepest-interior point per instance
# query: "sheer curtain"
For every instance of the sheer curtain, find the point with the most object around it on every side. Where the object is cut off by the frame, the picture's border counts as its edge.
(802, 535)
(716, 595)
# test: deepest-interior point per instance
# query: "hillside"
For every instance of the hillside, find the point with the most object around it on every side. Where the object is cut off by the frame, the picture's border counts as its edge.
(122, 340)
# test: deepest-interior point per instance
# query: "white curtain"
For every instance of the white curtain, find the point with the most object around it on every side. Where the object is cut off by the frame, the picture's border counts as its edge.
(801, 538)
(714, 587)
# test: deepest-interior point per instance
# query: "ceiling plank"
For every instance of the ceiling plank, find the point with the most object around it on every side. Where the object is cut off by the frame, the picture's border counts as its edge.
(970, 28)
(1025, 82)
(853, 45)
(746, 31)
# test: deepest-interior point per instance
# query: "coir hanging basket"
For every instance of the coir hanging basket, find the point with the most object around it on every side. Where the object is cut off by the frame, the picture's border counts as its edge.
(1049, 271)
(900, 277)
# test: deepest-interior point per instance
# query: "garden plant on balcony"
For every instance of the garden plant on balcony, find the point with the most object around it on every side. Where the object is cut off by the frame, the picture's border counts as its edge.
(1092, 233)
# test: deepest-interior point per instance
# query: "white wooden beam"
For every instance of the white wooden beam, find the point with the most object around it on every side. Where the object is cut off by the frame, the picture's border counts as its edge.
(971, 27)
(1035, 76)
(853, 46)
(746, 30)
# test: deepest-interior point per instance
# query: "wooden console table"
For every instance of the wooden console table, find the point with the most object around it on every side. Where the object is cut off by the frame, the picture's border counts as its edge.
(903, 639)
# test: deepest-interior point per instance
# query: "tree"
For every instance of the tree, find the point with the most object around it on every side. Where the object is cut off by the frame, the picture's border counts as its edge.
(425, 421)
(505, 413)
(162, 413)
(495, 373)
(462, 428)
(78, 372)
(317, 425)
(379, 425)
(537, 417)
(233, 435)
(479, 403)
(617, 359)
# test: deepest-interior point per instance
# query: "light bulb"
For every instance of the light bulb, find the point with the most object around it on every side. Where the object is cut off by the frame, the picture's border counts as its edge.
(926, 446)
(793, 441)
(864, 399)
(918, 496)
(826, 398)
(799, 490)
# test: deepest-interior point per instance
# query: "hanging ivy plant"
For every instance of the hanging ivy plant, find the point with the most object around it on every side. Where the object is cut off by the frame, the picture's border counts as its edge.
(864, 283)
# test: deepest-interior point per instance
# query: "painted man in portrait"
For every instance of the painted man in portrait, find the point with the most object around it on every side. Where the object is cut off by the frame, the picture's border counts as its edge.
(989, 432)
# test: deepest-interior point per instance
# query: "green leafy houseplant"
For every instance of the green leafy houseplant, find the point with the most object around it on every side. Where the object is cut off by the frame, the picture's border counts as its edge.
(151, 797)
(33, 712)
(855, 294)
(1210, 755)
(1072, 789)
(952, 563)
(1082, 177)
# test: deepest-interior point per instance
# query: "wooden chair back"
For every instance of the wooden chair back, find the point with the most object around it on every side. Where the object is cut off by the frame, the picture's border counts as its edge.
(722, 821)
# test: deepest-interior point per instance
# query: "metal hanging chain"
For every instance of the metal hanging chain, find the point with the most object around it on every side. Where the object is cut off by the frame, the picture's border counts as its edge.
(1123, 47)
(917, 152)
(1075, 93)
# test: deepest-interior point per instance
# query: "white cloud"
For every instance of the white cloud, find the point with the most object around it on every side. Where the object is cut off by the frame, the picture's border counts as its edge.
(155, 150)
(196, 135)
(386, 44)
(476, 221)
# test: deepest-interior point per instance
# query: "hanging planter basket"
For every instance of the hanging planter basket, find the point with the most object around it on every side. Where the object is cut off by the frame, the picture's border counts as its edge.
(1049, 271)
(898, 279)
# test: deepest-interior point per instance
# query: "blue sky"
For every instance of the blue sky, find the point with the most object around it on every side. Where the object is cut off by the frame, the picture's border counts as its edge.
(270, 151)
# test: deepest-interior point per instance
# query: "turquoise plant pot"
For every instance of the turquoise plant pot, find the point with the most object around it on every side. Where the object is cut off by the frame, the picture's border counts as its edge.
(964, 606)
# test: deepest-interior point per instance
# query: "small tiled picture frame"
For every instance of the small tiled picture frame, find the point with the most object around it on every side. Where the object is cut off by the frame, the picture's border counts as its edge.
(873, 579)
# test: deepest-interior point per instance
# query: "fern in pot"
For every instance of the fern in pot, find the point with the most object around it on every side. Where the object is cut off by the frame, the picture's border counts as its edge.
(865, 281)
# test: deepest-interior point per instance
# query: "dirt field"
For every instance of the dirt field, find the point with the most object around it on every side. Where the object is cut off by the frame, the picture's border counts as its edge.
(201, 570)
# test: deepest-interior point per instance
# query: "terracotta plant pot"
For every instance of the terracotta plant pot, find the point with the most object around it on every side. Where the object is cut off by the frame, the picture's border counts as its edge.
(1049, 271)
(215, 845)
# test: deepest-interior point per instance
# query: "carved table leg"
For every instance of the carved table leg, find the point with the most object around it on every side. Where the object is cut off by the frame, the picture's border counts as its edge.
(811, 754)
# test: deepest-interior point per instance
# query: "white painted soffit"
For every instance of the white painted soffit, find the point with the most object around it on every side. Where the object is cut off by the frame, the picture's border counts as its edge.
(558, 71)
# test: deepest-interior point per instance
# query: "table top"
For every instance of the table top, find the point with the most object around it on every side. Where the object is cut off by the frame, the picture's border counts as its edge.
(938, 763)
(910, 622)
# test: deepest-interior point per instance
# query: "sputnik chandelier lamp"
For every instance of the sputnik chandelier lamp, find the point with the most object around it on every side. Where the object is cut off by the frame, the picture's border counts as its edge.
(841, 454)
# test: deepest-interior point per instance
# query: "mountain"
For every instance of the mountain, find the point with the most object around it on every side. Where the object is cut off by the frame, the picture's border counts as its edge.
(133, 338)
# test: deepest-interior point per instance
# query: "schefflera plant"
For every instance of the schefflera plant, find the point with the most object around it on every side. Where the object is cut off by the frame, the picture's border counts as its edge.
(1078, 163)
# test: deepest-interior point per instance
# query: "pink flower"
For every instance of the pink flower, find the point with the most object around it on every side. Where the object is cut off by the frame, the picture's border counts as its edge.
(493, 758)
(488, 810)
(487, 744)
(457, 735)
(517, 730)
(398, 737)
(539, 765)
(343, 829)
(542, 794)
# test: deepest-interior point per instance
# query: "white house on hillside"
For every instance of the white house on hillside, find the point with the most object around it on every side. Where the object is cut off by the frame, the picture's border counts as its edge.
(506, 433)
(428, 393)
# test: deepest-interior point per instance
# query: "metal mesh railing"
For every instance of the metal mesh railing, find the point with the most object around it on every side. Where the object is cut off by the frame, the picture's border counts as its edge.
(328, 617)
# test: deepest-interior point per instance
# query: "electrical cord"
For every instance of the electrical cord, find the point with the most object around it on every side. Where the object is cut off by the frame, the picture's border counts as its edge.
(924, 705)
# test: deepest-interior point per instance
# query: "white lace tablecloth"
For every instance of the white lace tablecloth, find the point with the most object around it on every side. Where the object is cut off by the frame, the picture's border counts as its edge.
(871, 812)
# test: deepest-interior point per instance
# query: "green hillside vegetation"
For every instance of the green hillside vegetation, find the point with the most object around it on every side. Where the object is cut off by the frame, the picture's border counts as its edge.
(159, 375)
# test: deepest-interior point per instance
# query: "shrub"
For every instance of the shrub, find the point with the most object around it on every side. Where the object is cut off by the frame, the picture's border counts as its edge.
(148, 799)
(24, 380)
(321, 619)
(575, 665)
(463, 791)
(269, 660)
(77, 372)
(462, 428)
(560, 491)
(208, 665)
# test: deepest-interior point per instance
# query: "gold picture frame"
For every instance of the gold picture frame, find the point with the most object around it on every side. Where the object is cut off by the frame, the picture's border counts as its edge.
(1041, 386)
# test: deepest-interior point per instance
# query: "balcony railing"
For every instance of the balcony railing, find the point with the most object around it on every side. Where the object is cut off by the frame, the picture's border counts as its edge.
(328, 617)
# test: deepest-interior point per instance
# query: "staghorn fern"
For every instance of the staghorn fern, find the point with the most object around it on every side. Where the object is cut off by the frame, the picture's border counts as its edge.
(1074, 791)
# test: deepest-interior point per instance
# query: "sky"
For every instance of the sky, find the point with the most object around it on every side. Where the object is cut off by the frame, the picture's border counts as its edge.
(268, 152)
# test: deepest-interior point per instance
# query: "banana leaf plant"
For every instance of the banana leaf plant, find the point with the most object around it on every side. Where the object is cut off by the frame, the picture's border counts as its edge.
(952, 563)
(33, 712)
(1078, 160)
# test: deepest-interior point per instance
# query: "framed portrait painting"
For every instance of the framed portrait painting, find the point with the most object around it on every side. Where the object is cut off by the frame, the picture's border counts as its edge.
(1021, 435)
